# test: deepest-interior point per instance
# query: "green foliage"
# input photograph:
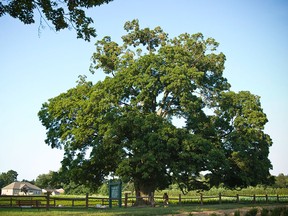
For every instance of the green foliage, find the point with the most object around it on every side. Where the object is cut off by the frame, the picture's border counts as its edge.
(237, 213)
(62, 14)
(244, 141)
(124, 125)
(214, 191)
(252, 212)
(103, 190)
(279, 211)
(7, 178)
(281, 181)
(73, 189)
(265, 212)
(29, 181)
(285, 211)
(46, 181)
(54, 180)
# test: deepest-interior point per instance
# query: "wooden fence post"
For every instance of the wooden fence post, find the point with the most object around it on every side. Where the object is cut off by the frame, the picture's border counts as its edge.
(278, 198)
(48, 201)
(126, 200)
(237, 198)
(180, 200)
(220, 198)
(201, 198)
(87, 200)
(266, 197)
(10, 201)
(254, 198)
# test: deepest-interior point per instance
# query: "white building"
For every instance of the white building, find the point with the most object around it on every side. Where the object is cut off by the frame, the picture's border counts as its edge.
(53, 191)
(19, 188)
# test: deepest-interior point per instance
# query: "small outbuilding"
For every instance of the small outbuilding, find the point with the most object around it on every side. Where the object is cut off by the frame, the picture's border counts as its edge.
(21, 188)
(53, 191)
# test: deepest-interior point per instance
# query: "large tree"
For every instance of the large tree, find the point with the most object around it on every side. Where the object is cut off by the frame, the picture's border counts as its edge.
(126, 124)
(59, 14)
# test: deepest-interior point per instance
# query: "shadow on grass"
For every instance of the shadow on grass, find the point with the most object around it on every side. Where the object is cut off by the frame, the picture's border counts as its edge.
(171, 210)
(159, 210)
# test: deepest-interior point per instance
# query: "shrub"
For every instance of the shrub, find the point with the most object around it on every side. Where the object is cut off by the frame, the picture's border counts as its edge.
(237, 213)
(285, 212)
(252, 212)
(279, 211)
(265, 212)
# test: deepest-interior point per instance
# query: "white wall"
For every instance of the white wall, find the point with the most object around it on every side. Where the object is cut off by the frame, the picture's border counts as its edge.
(18, 192)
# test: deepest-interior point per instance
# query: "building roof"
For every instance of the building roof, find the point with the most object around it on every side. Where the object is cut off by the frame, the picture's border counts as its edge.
(20, 185)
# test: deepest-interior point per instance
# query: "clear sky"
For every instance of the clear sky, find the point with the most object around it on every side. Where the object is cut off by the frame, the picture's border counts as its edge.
(35, 67)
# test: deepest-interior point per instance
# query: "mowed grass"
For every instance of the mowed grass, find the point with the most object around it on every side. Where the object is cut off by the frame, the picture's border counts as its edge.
(171, 210)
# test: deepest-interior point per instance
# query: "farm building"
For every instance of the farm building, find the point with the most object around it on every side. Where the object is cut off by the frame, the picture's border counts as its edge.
(53, 191)
(21, 188)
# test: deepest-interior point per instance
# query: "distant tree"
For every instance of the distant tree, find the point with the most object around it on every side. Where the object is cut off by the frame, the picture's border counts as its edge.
(62, 14)
(7, 178)
(48, 181)
(124, 125)
(281, 181)
(74, 189)
(30, 181)
(103, 189)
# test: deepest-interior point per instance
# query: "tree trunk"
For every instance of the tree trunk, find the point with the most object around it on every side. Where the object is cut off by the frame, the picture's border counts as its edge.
(144, 194)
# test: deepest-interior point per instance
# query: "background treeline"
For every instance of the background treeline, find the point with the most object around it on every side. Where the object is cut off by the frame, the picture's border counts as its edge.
(53, 181)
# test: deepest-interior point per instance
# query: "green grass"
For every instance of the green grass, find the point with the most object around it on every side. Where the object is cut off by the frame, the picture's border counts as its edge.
(171, 210)
(79, 201)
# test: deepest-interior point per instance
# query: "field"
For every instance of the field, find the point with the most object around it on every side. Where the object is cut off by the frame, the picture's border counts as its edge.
(217, 201)
(227, 209)
(70, 201)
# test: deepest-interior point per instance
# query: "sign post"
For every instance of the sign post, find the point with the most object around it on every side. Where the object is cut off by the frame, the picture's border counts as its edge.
(115, 192)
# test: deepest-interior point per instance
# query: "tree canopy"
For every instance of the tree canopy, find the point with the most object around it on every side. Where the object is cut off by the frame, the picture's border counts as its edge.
(281, 181)
(47, 181)
(126, 125)
(7, 178)
(62, 14)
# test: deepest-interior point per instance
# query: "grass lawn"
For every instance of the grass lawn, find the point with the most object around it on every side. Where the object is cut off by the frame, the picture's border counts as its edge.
(171, 210)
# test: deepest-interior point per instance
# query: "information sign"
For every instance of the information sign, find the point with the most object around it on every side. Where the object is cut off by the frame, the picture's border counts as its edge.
(115, 192)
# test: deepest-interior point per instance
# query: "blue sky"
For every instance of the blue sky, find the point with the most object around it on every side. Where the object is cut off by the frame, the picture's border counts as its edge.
(35, 67)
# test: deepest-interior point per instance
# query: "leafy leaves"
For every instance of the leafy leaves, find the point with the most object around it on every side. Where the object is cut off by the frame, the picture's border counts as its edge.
(124, 126)
(62, 14)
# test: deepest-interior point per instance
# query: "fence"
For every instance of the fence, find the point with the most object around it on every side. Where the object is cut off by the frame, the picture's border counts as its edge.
(87, 201)
(222, 198)
(216, 199)
(47, 201)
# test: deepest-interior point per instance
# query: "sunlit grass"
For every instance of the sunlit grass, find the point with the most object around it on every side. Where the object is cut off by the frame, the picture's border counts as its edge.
(171, 210)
